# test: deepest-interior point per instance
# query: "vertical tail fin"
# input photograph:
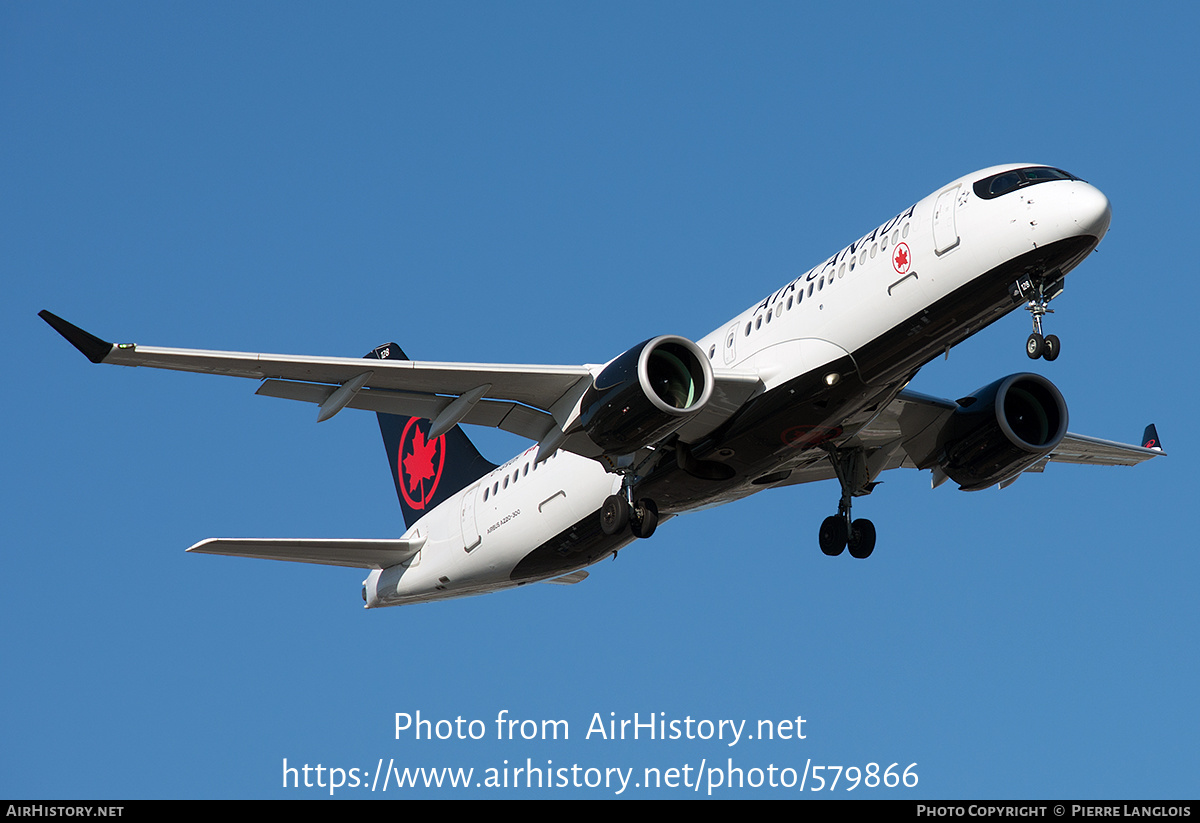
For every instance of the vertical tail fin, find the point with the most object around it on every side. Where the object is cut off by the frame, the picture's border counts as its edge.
(425, 472)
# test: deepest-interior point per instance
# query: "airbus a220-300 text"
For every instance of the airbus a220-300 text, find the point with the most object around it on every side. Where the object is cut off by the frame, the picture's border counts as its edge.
(808, 384)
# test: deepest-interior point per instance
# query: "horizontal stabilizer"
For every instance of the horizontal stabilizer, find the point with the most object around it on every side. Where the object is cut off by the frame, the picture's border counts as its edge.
(360, 554)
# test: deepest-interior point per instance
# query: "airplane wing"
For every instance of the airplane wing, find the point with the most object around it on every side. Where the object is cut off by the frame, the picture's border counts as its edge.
(904, 435)
(361, 554)
(916, 418)
(1077, 448)
(534, 401)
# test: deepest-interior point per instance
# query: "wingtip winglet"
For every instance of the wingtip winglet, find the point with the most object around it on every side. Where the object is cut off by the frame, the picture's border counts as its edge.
(1150, 439)
(93, 347)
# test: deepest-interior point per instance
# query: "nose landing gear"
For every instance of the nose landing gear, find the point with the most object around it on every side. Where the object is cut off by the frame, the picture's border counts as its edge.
(1038, 292)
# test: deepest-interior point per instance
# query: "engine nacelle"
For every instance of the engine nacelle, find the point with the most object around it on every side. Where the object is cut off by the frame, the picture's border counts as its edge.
(645, 394)
(1002, 429)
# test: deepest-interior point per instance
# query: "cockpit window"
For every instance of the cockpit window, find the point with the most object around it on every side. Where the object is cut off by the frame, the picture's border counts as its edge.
(1006, 181)
(1002, 184)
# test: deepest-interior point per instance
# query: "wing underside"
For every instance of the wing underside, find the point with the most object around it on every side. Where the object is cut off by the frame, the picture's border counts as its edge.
(905, 435)
(534, 401)
(361, 554)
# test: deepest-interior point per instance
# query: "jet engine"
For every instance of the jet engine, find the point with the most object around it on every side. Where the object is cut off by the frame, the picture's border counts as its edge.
(645, 394)
(1001, 430)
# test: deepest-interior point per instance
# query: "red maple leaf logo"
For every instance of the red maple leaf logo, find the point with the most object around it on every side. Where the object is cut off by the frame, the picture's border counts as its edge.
(423, 465)
(900, 258)
(419, 464)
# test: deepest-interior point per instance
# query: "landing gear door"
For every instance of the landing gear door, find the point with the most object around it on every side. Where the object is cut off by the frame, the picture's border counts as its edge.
(945, 235)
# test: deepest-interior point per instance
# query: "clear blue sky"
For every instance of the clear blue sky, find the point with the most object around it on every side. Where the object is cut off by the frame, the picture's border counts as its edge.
(546, 182)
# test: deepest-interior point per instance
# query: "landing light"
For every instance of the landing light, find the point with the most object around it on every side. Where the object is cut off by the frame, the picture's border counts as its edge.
(832, 378)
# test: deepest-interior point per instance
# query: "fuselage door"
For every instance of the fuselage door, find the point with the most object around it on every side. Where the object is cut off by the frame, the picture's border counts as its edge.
(470, 531)
(945, 235)
(730, 340)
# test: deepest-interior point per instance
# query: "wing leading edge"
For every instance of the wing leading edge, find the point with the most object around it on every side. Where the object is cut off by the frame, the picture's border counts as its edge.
(533, 385)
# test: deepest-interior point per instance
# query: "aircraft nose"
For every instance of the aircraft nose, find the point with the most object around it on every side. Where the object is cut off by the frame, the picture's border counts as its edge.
(1090, 210)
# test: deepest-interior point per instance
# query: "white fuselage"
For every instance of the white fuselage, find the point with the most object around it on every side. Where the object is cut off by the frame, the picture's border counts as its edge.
(883, 301)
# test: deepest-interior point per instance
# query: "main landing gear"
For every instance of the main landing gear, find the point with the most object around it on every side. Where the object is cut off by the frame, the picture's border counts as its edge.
(619, 513)
(1038, 292)
(840, 531)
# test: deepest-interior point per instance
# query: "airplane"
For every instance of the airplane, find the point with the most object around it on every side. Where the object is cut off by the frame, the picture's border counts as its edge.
(808, 384)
